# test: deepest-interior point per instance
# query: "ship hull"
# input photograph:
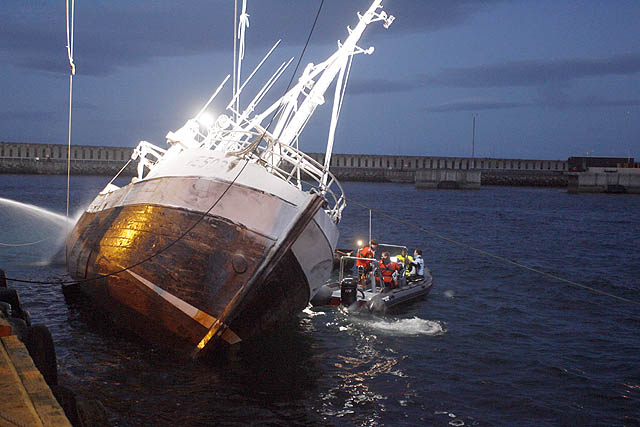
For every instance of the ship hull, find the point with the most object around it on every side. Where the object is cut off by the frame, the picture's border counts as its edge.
(197, 277)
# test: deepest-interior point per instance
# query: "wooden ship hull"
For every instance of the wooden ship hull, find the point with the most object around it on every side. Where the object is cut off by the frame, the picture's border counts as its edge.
(177, 275)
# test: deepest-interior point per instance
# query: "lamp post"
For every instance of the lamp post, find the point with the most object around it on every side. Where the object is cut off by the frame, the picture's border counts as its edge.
(473, 141)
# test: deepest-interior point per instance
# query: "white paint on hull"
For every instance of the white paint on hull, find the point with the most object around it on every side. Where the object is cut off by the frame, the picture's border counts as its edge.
(199, 316)
(205, 163)
(259, 212)
(314, 251)
(258, 200)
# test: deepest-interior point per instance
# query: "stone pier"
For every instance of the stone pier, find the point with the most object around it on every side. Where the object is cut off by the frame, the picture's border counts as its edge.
(605, 180)
(448, 179)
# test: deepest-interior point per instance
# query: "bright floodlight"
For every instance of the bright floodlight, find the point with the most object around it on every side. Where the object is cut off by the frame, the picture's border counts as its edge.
(205, 120)
(360, 243)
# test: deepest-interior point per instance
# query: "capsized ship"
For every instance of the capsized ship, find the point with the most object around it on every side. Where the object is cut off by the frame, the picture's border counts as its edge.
(229, 230)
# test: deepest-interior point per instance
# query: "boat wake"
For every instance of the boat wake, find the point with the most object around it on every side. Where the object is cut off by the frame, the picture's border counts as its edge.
(414, 326)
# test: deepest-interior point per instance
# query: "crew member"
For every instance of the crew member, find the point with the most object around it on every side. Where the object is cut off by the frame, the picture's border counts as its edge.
(387, 268)
(418, 263)
(406, 260)
(363, 265)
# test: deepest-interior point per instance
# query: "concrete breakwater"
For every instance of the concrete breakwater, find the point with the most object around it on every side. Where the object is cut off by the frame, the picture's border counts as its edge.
(524, 178)
(443, 178)
(448, 179)
(605, 180)
(30, 158)
(50, 166)
(111, 167)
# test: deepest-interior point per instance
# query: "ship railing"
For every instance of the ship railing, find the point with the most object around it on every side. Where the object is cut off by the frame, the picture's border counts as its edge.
(301, 170)
(282, 160)
(287, 163)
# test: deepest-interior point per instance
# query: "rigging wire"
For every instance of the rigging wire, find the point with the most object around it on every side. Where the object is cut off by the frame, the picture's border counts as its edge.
(70, 28)
(161, 250)
(496, 257)
(70, 15)
(244, 23)
(235, 48)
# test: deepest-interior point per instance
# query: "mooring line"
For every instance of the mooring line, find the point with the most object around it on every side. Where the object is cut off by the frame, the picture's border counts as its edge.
(161, 250)
(489, 254)
(13, 245)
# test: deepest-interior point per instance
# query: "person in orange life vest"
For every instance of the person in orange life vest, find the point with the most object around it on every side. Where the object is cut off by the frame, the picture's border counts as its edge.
(387, 268)
(366, 252)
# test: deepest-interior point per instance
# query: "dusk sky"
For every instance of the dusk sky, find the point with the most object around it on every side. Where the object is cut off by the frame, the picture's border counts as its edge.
(546, 79)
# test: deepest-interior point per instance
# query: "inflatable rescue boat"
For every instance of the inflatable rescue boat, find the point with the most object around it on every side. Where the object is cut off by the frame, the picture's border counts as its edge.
(367, 290)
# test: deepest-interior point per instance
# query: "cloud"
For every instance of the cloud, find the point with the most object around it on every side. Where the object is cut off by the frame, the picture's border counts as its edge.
(534, 72)
(118, 33)
(560, 101)
(379, 86)
(427, 16)
(473, 105)
(31, 116)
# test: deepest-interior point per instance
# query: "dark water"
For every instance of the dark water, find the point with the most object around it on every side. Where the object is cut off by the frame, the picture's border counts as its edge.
(492, 344)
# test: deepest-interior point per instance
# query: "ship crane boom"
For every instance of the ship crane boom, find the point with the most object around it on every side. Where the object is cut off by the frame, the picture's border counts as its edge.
(296, 116)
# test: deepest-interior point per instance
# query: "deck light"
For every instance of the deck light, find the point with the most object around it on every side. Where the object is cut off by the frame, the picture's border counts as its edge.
(205, 120)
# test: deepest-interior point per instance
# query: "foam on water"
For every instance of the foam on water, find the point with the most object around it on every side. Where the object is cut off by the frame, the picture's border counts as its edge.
(414, 326)
(311, 313)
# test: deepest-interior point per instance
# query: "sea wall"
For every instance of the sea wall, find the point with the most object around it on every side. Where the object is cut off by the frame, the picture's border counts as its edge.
(524, 178)
(448, 179)
(605, 180)
(31, 158)
(50, 166)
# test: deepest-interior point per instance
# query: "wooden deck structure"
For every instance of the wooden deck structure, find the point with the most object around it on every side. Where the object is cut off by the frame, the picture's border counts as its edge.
(26, 399)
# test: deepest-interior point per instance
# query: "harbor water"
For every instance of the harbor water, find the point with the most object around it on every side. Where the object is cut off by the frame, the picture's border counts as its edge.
(492, 344)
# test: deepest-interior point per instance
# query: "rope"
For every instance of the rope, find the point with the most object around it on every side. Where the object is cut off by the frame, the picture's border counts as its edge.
(70, 26)
(120, 171)
(244, 23)
(461, 244)
(235, 49)
(24, 244)
(497, 257)
(71, 282)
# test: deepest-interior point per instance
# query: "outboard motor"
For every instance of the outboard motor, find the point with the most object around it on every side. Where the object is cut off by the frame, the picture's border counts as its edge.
(348, 291)
(323, 296)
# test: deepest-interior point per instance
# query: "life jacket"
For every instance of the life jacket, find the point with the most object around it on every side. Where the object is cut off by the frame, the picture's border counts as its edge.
(405, 261)
(365, 252)
(386, 270)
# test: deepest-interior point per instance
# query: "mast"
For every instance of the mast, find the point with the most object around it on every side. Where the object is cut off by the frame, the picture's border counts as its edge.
(296, 118)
